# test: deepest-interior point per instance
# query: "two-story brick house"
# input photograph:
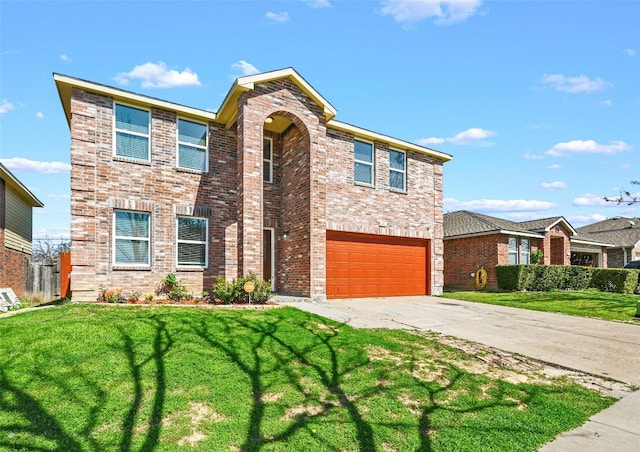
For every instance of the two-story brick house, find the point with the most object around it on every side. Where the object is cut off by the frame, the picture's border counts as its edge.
(271, 183)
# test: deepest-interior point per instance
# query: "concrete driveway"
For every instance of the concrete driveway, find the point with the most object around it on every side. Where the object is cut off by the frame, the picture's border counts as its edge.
(610, 349)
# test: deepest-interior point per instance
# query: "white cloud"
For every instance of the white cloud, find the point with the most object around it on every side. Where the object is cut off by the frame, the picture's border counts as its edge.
(61, 233)
(590, 200)
(607, 103)
(587, 147)
(555, 166)
(318, 3)
(529, 156)
(244, 68)
(578, 84)
(557, 185)
(65, 57)
(498, 205)
(443, 12)
(39, 115)
(33, 166)
(585, 219)
(463, 138)
(5, 106)
(630, 52)
(430, 141)
(158, 75)
(279, 18)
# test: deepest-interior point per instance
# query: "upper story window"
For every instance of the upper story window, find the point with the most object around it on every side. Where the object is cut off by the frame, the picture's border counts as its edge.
(131, 238)
(192, 242)
(131, 132)
(267, 159)
(397, 169)
(363, 162)
(192, 145)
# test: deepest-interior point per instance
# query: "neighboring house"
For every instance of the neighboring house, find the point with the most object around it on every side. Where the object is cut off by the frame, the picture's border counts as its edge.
(16, 231)
(473, 241)
(623, 234)
(271, 183)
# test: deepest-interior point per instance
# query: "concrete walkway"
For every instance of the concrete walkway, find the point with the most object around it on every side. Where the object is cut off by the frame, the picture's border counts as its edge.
(609, 349)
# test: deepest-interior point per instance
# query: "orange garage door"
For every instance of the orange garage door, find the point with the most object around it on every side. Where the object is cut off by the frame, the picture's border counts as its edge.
(363, 265)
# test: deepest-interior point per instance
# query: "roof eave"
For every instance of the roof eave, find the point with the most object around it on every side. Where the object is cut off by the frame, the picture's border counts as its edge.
(14, 182)
(393, 142)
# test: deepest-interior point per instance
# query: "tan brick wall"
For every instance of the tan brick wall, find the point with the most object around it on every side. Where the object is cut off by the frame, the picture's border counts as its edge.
(101, 183)
(312, 191)
(380, 210)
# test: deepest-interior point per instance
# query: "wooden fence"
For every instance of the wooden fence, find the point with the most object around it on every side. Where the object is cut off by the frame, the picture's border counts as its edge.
(48, 281)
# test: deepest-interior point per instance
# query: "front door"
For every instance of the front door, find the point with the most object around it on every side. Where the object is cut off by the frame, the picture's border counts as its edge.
(268, 260)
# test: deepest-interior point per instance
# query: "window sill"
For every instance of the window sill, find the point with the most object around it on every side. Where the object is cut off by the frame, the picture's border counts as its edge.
(190, 170)
(397, 190)
(119, 158)
(363, 184)
(131, 267)
(190, 269)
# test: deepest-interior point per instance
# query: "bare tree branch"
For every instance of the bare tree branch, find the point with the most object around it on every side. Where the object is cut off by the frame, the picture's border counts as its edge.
(626, 197)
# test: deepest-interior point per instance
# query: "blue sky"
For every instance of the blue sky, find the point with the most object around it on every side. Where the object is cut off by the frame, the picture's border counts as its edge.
(538, 102)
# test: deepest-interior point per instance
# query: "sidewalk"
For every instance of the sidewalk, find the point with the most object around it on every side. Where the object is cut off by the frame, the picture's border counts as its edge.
(598, 347)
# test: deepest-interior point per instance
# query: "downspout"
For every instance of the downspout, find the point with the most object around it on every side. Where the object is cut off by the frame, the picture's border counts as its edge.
(624, 253)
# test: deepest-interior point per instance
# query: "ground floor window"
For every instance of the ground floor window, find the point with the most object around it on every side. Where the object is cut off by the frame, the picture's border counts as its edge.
(584, 259)
(131, 238)
(192, 242)
(519, 251)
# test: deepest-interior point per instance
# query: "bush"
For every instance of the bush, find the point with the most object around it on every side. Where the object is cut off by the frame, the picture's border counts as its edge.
(229, 292)
(172, 288)
(620, 280)
(543, 278)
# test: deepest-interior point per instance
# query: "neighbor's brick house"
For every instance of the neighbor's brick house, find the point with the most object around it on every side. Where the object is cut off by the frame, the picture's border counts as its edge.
(16, 231)
(473, 241)
(271, 183)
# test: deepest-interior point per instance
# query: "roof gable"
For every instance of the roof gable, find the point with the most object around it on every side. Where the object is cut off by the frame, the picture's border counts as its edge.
(229, 108)
(11, 181)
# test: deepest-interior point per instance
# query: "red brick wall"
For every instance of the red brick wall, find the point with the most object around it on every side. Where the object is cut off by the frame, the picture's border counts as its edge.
(465, 256)
(12, 262)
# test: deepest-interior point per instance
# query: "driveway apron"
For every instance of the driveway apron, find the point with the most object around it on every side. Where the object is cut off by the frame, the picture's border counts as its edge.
(599, 347)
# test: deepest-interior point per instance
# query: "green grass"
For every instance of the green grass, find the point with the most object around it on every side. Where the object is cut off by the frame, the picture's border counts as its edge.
(585, 303)
(103, 378)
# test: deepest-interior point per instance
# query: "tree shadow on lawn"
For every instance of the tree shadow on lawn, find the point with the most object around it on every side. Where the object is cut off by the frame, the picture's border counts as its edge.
(162, 343)
(319, 351)
(40, 422)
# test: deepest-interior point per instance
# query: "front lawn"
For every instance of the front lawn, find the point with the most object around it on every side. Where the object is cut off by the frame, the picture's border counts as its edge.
(102, 378)
(585, 303)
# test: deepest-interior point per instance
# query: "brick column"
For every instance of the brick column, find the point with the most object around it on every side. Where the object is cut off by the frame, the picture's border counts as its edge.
(249, 190)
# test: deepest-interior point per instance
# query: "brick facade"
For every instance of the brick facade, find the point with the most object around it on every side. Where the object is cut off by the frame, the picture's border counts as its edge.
(312, 191)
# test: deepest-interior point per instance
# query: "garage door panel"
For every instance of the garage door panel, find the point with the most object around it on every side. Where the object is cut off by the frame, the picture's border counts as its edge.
(363, 265)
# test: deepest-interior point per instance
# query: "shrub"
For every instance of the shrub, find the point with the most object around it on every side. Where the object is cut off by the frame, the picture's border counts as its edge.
(229, 292)
(620, 280)
(543, 278)
(536, 257)
(172, 288)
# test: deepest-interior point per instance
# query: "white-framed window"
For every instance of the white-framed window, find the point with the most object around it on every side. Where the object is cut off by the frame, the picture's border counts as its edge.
(192, 243)
(363, 162)
(397, 169)
(513, 250)
(192, 145)
(131, 132)
(267, 160)
(525, 251)
(131, 238)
